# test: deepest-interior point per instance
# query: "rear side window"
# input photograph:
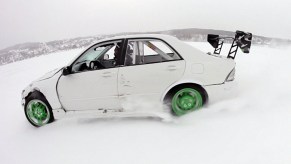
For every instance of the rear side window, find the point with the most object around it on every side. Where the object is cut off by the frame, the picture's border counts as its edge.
(148, 51)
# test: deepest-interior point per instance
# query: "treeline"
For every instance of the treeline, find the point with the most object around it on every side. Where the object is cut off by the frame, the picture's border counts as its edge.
(29, 50)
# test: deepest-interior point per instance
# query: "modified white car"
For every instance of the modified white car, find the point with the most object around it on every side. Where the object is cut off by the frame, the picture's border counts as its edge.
(137, 69)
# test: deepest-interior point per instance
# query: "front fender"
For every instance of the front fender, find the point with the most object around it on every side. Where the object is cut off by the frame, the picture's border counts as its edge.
(48, 88)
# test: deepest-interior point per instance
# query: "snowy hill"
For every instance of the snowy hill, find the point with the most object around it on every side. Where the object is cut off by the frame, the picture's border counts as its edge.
(253, 127)
(29, 50)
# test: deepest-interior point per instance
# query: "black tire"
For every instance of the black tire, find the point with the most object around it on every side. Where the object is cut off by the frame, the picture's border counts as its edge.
(169, 97)
(39, 97)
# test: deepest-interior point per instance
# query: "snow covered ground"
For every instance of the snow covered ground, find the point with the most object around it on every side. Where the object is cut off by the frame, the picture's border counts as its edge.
(253, 127)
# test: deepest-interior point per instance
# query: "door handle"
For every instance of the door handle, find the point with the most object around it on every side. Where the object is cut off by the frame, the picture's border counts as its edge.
(172, 68)
(107, 74)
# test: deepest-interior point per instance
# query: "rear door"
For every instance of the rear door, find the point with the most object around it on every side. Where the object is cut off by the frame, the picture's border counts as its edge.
(150, 67)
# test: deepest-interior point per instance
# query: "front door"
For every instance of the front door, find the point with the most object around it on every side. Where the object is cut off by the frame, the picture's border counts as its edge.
(92, 84)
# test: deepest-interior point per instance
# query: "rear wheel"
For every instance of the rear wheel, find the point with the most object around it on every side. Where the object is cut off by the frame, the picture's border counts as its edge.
(183, 100)
(37, 110)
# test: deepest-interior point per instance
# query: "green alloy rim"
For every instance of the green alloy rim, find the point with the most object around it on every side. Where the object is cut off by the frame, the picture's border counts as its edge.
(37, 112)
(186, 100)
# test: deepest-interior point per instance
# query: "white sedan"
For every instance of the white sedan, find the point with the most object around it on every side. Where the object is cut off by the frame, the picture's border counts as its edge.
(140, 69)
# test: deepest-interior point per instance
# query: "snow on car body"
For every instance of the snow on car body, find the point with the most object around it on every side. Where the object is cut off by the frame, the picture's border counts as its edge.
(148, 67)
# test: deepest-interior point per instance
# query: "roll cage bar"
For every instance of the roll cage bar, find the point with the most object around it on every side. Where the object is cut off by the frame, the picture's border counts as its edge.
(241, 40)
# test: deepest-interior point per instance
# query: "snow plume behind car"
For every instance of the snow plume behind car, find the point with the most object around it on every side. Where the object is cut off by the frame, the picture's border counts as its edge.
(148, 108)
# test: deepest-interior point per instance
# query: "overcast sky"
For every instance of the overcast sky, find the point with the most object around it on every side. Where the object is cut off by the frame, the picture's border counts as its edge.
(46, 20)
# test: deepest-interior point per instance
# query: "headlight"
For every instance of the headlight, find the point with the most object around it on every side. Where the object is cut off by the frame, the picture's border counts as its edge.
(230, 76)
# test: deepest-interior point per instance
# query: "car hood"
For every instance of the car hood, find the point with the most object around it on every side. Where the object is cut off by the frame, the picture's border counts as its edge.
(49, 74)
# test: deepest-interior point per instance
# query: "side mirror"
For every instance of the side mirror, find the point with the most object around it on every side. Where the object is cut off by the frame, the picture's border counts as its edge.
(67, 70)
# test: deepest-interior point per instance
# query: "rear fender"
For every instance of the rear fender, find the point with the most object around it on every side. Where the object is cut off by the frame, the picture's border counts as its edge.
(186, 81)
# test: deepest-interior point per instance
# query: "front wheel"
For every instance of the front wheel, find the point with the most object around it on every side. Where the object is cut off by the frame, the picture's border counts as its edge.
(37, 110)
(185, 100)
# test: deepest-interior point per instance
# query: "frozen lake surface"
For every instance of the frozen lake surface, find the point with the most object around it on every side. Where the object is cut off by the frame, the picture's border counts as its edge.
(253, 127)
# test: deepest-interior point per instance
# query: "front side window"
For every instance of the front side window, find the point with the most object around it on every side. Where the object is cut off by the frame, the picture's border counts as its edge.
(148, 51)
(98, 57)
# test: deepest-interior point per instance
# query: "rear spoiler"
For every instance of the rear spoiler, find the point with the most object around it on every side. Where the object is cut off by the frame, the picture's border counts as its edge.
(241, 40)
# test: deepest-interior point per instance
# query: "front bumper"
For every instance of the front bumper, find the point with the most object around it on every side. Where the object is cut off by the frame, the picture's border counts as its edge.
(218, 92)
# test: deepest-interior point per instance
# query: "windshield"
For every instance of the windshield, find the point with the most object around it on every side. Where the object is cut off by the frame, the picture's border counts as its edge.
(93, 54)
(103, 55)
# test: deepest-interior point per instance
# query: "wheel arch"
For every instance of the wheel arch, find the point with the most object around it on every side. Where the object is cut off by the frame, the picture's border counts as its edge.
(197, 86)
(36, 95)
(35, 89)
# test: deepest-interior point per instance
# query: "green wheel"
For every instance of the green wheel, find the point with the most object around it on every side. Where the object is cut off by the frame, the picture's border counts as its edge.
(186, 100)
(37, 110)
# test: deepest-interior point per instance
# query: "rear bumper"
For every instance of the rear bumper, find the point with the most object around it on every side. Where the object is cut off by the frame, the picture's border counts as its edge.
(218, 92)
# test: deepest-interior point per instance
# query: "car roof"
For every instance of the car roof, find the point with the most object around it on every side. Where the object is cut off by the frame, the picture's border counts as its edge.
(159, 36)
